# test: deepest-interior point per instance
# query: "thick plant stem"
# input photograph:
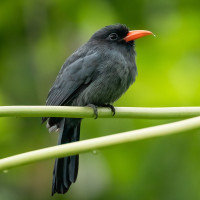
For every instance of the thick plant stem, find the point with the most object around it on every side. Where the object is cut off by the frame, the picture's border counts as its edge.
(97, 143)
(87, 112)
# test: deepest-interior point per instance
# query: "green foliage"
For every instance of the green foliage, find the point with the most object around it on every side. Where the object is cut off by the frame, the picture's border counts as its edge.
(35, 39)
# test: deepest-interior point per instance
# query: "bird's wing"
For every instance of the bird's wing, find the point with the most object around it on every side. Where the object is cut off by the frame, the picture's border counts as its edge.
(72, 79)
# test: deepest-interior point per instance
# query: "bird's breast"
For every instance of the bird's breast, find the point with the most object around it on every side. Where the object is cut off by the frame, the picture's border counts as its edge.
(111, 79)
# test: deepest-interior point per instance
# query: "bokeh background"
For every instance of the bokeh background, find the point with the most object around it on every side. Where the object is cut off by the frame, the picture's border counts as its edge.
(35, 39)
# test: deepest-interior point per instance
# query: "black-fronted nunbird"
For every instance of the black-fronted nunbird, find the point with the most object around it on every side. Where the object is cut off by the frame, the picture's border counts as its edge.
(97, 74)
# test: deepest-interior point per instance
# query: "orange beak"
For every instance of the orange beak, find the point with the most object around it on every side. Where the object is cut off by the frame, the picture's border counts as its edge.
(133, 35)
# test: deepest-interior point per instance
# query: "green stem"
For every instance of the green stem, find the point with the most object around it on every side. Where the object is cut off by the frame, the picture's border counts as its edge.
(86, 112)
(97, 143)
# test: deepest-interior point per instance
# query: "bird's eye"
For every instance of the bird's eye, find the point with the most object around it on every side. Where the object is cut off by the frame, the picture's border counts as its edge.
(113, 36)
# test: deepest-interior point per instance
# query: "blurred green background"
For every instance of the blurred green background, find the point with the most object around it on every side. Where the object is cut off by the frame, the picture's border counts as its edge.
(35, 39)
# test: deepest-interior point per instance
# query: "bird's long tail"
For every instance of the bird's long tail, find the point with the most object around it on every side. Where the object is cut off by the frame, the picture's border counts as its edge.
(66, 169)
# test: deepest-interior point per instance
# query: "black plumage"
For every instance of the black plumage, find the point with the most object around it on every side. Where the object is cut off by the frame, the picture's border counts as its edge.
(98, 73)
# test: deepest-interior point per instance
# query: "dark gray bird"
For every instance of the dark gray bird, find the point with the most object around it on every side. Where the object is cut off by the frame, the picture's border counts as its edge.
(97, 74)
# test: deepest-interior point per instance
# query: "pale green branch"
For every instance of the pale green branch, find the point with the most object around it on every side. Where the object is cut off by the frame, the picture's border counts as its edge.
(97, 143)
(86, 112)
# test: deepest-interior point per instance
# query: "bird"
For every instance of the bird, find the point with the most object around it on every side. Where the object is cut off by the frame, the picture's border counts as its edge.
(95, 75)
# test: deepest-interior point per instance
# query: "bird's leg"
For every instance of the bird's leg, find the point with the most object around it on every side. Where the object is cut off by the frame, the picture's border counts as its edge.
(111, 107)
(95, 110)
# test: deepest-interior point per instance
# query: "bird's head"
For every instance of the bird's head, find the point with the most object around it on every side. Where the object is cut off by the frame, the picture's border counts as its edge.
(119, 33)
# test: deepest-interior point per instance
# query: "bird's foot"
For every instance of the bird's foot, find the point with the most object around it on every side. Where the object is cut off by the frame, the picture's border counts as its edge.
(95, 110)
(111, 107)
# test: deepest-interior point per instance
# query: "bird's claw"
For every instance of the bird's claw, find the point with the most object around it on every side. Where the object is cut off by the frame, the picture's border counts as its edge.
(111, 107)
(95, 110)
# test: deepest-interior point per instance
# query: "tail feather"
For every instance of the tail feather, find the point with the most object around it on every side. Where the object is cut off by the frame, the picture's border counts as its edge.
(66, 169)
(73, 168)
(74, 160)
